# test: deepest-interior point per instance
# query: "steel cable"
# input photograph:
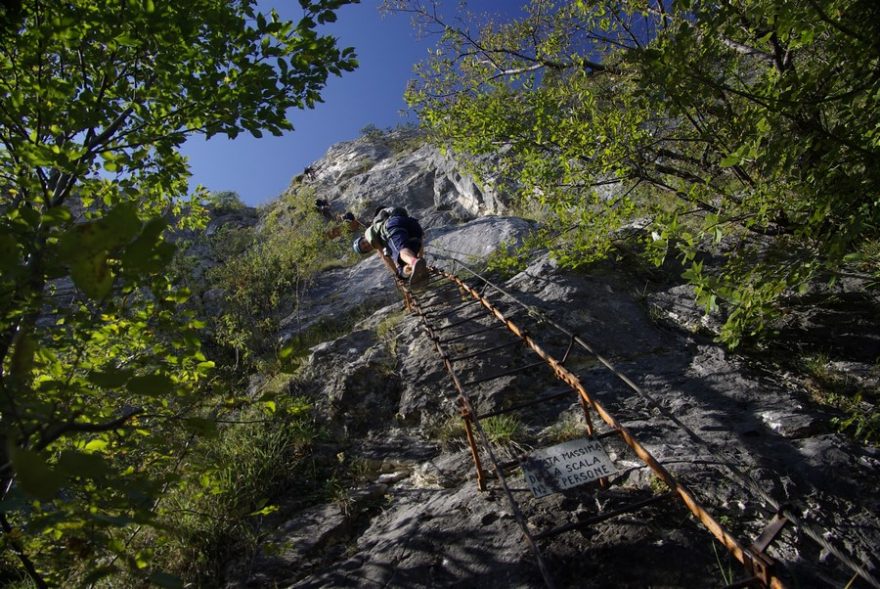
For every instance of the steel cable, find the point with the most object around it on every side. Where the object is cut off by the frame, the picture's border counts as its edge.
(742, 478)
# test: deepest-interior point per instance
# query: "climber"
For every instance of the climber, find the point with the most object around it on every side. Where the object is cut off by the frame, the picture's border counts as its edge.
(340, 223)
(323, 207)
(394, 229)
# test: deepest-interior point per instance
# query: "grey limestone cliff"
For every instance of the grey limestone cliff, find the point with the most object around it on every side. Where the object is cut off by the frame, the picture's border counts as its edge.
(416, 518)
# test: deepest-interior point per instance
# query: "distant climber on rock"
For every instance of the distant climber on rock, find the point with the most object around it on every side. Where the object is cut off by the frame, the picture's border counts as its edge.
(323, 207)
(394, 229)
(340, 223)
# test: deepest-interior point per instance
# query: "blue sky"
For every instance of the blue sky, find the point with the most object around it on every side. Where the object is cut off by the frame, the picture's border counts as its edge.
(387, 48)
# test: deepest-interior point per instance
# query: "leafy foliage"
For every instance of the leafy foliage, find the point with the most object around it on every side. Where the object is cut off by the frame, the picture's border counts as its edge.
(371, 131)
(746, 129)
(231, 484)
(855, 398)
(510, 259)
(264, 271)
(224, 201)
(101, 372)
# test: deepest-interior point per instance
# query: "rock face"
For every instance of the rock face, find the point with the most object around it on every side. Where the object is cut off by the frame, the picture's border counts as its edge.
(346, 291)
(397, 169)
(416, 519)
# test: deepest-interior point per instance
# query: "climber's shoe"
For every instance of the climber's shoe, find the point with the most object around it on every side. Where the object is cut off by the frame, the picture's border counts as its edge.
(419, 275)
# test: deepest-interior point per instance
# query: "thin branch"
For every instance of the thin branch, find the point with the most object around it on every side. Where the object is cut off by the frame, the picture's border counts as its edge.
(706, 207)
(746, 49)
(769, 104)
(845, 30)
(517, 71)
(22, 556)
(557, 65)
(622, 22)
(59, 430)
(693, 179)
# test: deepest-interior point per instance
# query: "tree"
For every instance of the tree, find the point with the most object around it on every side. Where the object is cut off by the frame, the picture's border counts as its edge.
(224, 201)
(746, 127)
(99, 367)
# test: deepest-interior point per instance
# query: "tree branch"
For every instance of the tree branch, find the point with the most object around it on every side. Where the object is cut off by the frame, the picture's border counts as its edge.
(18, 549)
(52, 434)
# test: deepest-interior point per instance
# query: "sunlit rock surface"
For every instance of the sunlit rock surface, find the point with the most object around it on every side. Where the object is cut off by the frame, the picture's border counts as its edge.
(415, 518)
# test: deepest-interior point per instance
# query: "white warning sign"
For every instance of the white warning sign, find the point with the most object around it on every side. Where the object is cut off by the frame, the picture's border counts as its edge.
(563, 466)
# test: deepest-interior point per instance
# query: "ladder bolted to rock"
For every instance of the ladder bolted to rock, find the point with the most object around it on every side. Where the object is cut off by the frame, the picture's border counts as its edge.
(455, 313)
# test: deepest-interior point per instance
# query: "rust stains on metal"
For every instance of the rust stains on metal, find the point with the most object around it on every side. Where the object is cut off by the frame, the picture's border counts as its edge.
(757, 563)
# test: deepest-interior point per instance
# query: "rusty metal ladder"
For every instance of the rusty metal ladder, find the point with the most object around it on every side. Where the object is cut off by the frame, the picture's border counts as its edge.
(758, 564)
(432, 307)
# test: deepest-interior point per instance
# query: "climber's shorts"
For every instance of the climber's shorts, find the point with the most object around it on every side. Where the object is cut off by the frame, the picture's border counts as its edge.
(403, 232)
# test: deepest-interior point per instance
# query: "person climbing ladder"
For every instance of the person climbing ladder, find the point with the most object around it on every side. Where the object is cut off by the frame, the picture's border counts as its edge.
(393, 228)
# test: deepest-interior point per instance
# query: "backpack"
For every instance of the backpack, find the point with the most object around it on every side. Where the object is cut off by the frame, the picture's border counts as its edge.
(385, 213)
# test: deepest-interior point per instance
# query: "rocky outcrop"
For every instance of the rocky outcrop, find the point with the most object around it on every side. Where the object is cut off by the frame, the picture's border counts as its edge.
(397, 168)
(352, 292)
(390, 395)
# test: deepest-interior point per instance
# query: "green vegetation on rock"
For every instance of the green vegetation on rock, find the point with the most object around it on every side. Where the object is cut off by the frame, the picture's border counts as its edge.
(264, 270)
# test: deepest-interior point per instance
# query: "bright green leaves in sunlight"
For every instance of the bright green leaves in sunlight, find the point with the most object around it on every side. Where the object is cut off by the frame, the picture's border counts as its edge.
(744, 129)
(103, 380)
(96, 252)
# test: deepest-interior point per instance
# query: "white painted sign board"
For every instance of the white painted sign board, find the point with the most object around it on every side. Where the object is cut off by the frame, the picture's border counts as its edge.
(563, 466)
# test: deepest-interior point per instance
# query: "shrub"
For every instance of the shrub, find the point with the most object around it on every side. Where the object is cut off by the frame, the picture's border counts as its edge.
(265, 271)
(503, 428)
(228, 484)
(372, 132)
(224, 201)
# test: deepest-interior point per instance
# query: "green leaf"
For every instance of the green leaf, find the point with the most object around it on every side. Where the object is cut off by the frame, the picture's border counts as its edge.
(34, 475)
(733, 159)
(88, 465)
(96, 445)
(92, 275)
(268, 509)
(111, 378)
(151, 385)
(57, 216)
(120, 225)
(147, 253)
(127, 39)
(87, 240)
